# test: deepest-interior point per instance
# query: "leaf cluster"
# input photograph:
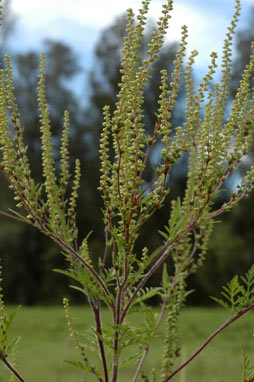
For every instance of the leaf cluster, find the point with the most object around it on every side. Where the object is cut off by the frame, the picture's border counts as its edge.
(238, 295)
(248, 371)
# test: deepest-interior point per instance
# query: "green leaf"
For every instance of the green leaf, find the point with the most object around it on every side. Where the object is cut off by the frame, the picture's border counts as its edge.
(65, 272)
(4, 328)
(82, 290)
(36, 192)
(145, 294)
(11, 317)
(85, 367)
(54, 222)
(26, 220)
(237, 295)
(176, 223)
(106, 337)
(165, 278)
(248, 280)
(151, 257)
(12, 344)
(108, 276)
(247, 372)
(164, 235)
(220, 301)
(128, 361)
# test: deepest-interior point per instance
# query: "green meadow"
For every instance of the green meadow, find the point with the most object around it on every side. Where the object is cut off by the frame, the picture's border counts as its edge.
(45, 344)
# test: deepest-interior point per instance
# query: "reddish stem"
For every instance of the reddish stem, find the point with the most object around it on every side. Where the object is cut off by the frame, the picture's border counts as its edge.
(14, 217)
(163, 253)
(140, 364)
(116, 339)
(209, 339)
(105, 251)
(11, 367)
(96, 311)
(62, 243)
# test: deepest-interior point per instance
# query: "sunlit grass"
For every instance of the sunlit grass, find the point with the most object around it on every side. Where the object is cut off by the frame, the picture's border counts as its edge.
(45, 344)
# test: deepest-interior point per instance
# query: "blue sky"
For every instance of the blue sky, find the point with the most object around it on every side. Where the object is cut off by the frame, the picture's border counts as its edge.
(80, 23)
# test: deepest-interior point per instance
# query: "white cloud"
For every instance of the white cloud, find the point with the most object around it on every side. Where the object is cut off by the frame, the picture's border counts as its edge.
(54, 17)
(96, 13)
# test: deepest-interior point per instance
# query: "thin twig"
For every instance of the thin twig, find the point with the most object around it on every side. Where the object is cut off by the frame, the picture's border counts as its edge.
(140, 364)
(163, 310)
(63, 244)
(11, 367)
(105, 251)
(14, 217)
(164, 251)
(208, 340)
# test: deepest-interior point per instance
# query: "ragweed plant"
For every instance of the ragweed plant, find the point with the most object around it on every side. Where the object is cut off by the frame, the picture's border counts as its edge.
(215, 145)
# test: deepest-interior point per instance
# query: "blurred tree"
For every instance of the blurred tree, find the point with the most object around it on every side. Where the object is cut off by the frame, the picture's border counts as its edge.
(8, 25)
(29, 259)
(62, 65)
(231, 247)
(230, 252)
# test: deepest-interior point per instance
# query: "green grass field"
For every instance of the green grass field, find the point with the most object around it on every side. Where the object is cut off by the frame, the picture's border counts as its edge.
(45, 344)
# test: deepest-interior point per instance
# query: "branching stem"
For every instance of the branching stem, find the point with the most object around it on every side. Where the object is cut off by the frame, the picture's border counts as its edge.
(209, 339)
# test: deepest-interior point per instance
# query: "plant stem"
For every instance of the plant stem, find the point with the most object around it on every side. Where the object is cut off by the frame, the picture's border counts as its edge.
(105, 251)
(163, 310)
(63, 244)
(96, 311)
(140, 364)
(116, 339)
(14, 217)
(11, 367)
(209, 339)
(163, 254)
